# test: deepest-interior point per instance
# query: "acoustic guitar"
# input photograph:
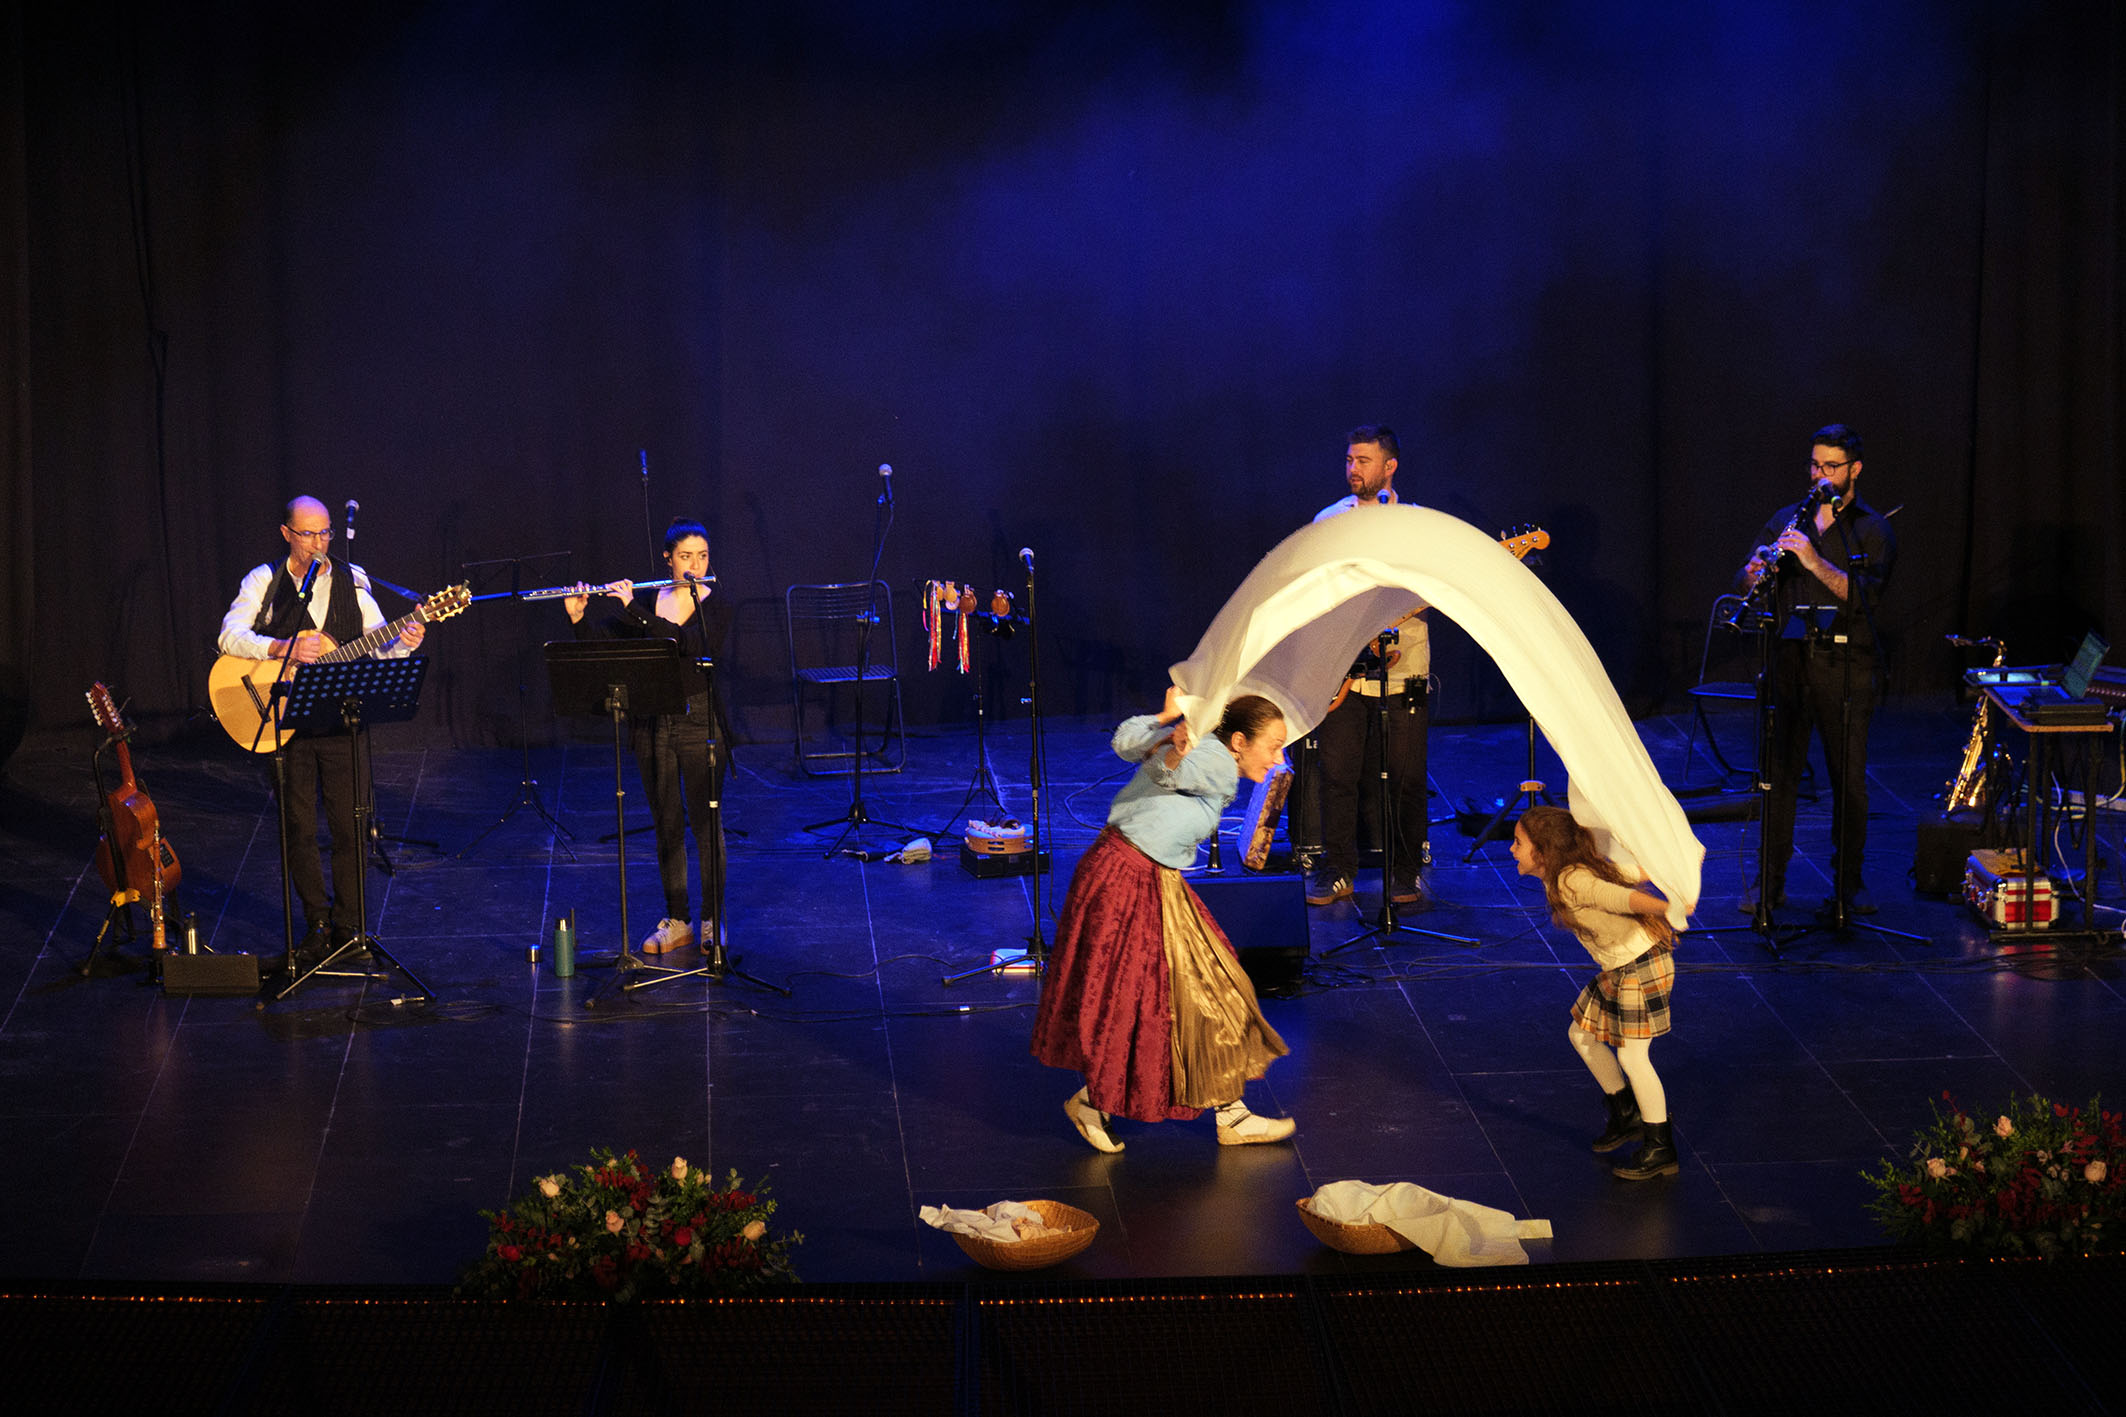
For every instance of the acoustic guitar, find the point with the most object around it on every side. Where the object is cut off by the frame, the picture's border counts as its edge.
(240, 690)
(1520, 541)
(132, 857)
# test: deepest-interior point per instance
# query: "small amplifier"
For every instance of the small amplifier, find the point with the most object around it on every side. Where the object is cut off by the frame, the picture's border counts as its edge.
(1996, 886)
(227, 976)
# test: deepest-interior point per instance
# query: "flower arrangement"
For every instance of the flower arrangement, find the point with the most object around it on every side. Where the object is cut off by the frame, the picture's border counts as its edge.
(2043, 1178)
(618, 1230)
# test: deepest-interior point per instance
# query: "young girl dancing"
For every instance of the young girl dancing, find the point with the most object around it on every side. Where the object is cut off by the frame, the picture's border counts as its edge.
(1625, 1007)
(1143, 993)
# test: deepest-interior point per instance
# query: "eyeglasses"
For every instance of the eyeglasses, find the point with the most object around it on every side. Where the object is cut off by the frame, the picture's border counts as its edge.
(323, 533)
(1826, 468)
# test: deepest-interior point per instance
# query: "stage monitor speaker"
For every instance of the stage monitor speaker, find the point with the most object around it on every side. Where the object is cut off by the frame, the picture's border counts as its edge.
(1265, 916)
(226, 976)
(1944, 846)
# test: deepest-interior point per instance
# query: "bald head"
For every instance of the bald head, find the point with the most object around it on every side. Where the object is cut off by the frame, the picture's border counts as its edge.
(307, 528)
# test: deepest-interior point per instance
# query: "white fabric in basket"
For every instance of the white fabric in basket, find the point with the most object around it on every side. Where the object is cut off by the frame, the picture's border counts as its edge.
(991, 1224)
(1457, 1233)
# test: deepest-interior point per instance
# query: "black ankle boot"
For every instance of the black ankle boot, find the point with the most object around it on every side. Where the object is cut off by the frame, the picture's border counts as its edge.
(1623, 1120)
(1656, 1158)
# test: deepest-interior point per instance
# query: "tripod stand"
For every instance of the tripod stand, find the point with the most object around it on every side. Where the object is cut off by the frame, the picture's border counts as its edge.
(1532, 793)
(360, 691)
(855, 819)
(527, 785)
(1386, 925)
(983, 785)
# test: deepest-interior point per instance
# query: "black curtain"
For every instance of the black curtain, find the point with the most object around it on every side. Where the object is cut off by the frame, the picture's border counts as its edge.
(1106, 283)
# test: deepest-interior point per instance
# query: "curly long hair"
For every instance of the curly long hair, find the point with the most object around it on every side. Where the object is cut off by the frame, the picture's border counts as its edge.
(1560, 844)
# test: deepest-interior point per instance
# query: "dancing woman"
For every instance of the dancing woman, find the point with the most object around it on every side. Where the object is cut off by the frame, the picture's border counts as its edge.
(1144, 995)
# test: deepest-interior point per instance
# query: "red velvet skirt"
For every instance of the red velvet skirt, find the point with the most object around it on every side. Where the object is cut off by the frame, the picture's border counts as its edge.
(1105, 1001)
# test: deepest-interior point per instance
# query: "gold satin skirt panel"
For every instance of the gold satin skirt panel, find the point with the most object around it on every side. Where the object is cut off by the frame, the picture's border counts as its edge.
(1219, 1038)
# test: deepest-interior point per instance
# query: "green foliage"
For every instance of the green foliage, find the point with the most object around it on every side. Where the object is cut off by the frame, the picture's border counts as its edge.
(614, 1230)
(2041, 1179)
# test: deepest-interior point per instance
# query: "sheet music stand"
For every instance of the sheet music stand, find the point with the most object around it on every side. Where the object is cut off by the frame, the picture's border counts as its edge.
(613, 679)
(353, 694)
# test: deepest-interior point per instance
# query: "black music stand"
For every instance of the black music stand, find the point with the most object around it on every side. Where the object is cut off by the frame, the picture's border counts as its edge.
(614, 679)
(352, 694)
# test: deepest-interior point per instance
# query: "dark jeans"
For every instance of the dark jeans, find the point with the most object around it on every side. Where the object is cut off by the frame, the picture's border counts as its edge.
(682, 776)
(1349, 776)
(314, 765)
(1809, 691)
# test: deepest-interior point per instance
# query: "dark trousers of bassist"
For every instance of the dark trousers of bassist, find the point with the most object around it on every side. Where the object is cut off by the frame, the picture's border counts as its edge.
(1349, 764)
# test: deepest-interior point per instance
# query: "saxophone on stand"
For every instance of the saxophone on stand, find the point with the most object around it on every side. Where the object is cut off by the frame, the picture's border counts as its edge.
(1972, 783)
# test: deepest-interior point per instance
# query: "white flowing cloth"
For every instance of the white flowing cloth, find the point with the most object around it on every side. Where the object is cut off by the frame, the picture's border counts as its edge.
(1457, 1233)
(1303, 614)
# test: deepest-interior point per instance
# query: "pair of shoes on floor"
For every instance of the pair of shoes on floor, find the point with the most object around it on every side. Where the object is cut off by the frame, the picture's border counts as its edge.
(669, 936)
(1237, 1126)
(1326, 888)
(1410, 892)
(1858, 903)
(1748, 903)
(1090, 1121)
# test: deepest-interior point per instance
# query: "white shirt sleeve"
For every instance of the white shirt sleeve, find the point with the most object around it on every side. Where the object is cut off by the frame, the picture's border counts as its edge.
(237, 637)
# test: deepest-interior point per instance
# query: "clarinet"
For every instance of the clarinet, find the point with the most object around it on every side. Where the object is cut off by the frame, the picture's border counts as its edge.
(1817, 495)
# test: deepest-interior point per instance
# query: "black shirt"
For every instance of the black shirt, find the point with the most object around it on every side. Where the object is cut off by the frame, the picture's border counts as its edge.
(1857, 532)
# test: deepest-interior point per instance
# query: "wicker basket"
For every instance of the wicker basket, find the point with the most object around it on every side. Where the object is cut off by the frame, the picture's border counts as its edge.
(1070, 1230)
(1351, 1239)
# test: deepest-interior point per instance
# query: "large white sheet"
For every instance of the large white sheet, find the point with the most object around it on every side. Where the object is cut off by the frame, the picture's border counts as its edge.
(1304, 613)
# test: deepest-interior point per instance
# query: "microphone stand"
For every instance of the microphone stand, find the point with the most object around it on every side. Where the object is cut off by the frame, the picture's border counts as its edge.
(856, 819)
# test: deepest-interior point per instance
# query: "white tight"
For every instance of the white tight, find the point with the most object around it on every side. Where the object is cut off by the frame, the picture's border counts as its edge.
(1631, 1064)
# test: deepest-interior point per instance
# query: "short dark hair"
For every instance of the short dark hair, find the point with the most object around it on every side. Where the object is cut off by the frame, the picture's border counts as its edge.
(1247, 715)
(1379, 433)
(682, 528)
(1837, 435)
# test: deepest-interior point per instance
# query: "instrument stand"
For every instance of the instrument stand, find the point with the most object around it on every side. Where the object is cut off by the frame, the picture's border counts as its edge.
(1386, 926)
(984, 783)
(527, 785)
(1035, 955)
(856, 818)
(120, 913)
(360, 691)
(1531, 793)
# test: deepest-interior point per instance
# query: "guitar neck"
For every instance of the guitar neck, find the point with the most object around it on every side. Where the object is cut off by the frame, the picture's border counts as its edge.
(373, 641)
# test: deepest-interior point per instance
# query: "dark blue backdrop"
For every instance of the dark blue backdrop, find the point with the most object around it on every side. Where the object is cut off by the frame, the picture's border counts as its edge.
(1106, 280)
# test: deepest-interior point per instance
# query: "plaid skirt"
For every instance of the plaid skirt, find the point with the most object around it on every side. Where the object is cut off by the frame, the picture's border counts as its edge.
(1630, 1001)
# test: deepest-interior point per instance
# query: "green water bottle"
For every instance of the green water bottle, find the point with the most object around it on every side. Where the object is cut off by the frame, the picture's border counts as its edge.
(565, 946)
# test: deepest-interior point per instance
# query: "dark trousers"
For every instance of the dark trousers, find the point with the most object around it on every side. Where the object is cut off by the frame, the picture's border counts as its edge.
(682, 776)
(1349, 776)
(323, 764)
(1809, 692)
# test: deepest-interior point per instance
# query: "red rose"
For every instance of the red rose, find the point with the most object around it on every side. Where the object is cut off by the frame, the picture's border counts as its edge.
(511, 1253)
(684, 1236)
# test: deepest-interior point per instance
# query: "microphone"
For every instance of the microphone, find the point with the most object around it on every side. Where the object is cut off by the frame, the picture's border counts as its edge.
(1026, 555)
(348, 521)
(309, 576)
(885, 483)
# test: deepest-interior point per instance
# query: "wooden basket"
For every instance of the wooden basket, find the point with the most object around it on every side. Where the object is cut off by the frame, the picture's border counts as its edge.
(1070, 1231)
(1351, 1239)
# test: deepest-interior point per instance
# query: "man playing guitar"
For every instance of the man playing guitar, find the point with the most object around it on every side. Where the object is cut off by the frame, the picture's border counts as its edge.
(269, 619)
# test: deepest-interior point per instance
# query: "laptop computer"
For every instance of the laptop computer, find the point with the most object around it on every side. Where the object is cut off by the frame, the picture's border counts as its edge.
(2067, 700)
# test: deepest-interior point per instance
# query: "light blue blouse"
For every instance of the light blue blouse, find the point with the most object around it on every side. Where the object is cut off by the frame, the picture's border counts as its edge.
(1167, 813)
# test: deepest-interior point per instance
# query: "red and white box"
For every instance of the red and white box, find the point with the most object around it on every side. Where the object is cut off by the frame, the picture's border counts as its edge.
(1994, 886)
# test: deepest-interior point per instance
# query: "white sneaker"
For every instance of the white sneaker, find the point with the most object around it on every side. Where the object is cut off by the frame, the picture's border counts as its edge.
(669, 935)
(1237, 1126)
(1090, 1121)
